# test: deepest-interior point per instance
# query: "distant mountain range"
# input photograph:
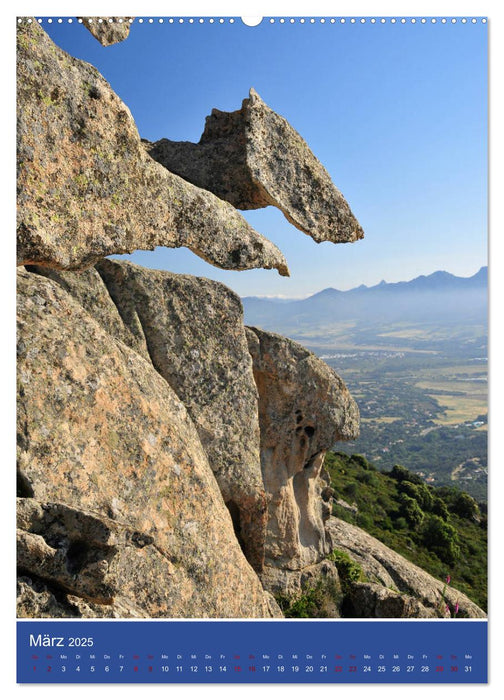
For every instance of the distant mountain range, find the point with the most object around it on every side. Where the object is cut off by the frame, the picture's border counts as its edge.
(439, 297)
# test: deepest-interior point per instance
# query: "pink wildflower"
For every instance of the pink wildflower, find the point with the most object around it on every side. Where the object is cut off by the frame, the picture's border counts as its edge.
(448, 578)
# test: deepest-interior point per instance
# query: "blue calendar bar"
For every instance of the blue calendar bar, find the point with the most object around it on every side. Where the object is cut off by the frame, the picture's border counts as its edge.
(284, 651)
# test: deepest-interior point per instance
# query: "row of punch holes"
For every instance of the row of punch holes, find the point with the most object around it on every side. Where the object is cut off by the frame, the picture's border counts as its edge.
(272, 20)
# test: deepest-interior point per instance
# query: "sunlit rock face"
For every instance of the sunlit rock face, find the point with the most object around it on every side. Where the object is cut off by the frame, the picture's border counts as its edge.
(108, 30)
(253, 158)
(86, 186)
(101, 431)
(304, 408)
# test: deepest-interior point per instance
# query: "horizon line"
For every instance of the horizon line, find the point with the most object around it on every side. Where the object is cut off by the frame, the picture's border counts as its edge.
(285, 297)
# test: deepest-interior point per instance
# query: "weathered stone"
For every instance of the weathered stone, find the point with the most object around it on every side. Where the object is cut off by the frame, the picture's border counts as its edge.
(108, 30)
(373, 600)
(193, 329)
(304, 408)
(34, 598)
(86, 186)
(253, 158)
(88, 288)
(387, 568)
(101, 431)
(38, 598)
(67, 547)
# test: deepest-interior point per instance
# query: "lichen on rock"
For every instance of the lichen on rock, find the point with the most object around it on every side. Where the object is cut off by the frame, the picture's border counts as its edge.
(101, 431)
(88, 189)
(253, 158)
(108, 30)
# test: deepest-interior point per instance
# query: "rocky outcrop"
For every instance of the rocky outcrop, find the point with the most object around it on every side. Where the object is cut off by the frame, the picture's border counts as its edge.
(167, 455)
(390, 574)
(101, 431)
(108, 30)
(86, 186)
(304, 408)
(253, 158)
(191, 329)
(373, 600)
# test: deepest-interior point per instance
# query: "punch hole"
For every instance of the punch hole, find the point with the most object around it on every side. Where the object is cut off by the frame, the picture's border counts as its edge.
(252, 21)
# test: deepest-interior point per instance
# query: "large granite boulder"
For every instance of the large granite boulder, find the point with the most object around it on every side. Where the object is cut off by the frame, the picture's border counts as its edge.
(191, 329)
(386, 569)
(99, 430)
(304, 408)
(108, 30)
(86, 186)
(253, 158)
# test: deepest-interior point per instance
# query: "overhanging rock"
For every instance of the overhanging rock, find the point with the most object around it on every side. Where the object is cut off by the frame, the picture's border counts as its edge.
(88, 189)
(253, 158)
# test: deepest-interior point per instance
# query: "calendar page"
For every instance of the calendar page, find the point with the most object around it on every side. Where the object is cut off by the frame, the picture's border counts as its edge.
(252, 295)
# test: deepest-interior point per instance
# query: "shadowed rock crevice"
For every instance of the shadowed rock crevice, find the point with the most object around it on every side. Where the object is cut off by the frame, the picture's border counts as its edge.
(253, 158)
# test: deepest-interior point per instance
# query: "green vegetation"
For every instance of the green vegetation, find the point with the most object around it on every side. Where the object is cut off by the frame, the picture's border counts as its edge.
(440, 434)
(321, 600)
(348, 569)
(442, 530)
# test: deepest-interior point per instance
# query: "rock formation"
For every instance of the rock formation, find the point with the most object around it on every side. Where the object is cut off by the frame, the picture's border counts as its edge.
(170, 460)
(389, 575)
(304, 408)
(108, 30)
(86, 186)
(191, 329)
(100, 430)
(253, 158)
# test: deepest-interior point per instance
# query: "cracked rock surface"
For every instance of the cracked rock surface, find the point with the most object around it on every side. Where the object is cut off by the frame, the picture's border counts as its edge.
(253, 158)
(304, 408)
(192, 331)
(387, 570)
(88, 189)
(101, 431)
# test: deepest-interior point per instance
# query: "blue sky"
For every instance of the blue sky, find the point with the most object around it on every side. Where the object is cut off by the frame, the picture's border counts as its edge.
(396, 113)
